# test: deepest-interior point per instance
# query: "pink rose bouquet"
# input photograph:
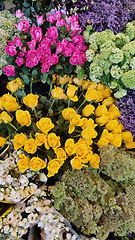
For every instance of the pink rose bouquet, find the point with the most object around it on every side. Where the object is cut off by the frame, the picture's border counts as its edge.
(40, 51)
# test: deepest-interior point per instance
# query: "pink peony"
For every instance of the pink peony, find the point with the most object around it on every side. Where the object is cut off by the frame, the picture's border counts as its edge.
(18, 42)
(40, 20)
(23, 25)
(9, 70)
(11, 50)
(52, 32)
(19, 14)
(36, 33)
(19, 61)
(32, 44)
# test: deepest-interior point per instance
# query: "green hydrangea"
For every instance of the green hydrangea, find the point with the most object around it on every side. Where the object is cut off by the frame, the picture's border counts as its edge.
(121, 40)
(130, 30)
(116, 55)
(94, 47)
(129, 49)
(107, 44)
(132, 63)
(121, 93)
(90, 55)
(116, 72)
(96, 72)
(86, 36)
(100, 37)
(128, 79)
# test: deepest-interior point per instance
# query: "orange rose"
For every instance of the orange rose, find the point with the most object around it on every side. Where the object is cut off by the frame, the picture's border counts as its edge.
(2, 141)
(94, 161)
(71, 92)
(5, 117)
(70, 146)
(31, 100)
(23, 117)
(9, 103)
(37, 163)
(30, 146)
(88, 110)
(76, 163)
(45, 125)
(54, 166)
(24, 163)
(58, 93)
(67, 113)
(19, 140)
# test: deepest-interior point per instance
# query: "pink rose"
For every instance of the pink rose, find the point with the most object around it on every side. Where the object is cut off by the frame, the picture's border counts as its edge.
(32, 44)
(11, 43)
(31, 58)
(67, 52)
(19, 61)
(18, 42)
(19, 14)
(21, 54)
(59, 47)
(45, 68)
(9, 70)
(11, 50)
(52, 32)
(36, 33)
(40, 20)
(23, 25)
(58, 14)
(51, 18)
(60, 22)
(64, 42)
(55, 58)
(77, 39)
(68, 26)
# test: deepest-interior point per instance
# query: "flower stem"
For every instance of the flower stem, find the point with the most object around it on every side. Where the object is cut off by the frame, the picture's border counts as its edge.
(81, 105)
(31, 86)
(12, 125)
(23, 91)
(17, 98)
(51, 104)
(68, 102)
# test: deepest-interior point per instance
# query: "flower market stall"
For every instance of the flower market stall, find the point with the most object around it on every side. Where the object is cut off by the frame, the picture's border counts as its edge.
(67, 120)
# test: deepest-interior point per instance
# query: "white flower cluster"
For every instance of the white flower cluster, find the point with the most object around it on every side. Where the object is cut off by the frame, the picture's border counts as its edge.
(15, 186)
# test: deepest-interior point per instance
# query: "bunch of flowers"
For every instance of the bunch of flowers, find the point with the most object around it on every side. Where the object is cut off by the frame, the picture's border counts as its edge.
(111, 58)
(101, 14)
(36, 53)
(62, 129)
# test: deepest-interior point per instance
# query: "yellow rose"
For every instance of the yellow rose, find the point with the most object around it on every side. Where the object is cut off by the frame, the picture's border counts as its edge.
(19, 140)
(40, 138)
(100, 96)
(14, 85)
(87, 157)
(30, 146)
(63, 80)
(91, 95)
(118, 129)
(70, 146)
(102, 120)
(90, 123)
(88, 109)
(24, 163)
(37, 163)
(107, 135)
(67, 113)
(23, 117)
(2, 141)
(115, 111)
(112, 124)
(117, 140)
(76, 163)
(31, 100)
(108, 101)
(9, 103)
(127, 137)
(93, 85)
(71, 92)
(58, 93)
(5, 117)
(78, 81)
(54, 166)
(94, 161)
(61, 153)
(103, 142)
(53, 140)
(89, 133)
(75, 120)
(100, 87)
(45, 125)
(81, 149)
(100, 110)
(130, 145)
(86, 84)
(106, 92)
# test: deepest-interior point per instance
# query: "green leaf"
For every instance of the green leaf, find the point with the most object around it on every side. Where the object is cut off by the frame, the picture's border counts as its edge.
(44, 77)
(81, 73)
(69, 39)
(62, 59)
(10, 78)
(26, 70)
(42, 99)
(51, 71)
(26, 5)
(60, 108)
(19, 93)
(27, 12)
(25, 78)
(58, 66)
(48, 104)
(35, 73)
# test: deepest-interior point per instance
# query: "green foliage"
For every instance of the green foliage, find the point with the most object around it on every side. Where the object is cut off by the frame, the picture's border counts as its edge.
(101, 201)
